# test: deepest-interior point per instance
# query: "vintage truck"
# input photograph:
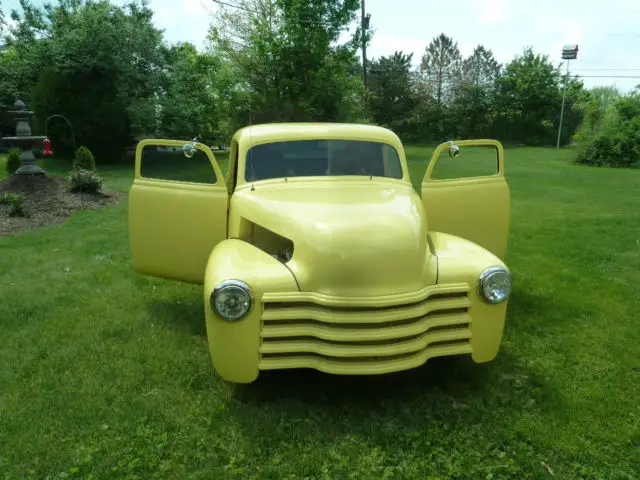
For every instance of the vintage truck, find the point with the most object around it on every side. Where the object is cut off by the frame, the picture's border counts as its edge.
(315, 251)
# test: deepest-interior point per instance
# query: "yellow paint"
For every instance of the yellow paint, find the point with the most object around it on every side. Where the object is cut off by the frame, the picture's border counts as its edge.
(460, 260)
(475, 208)
(375, 284)
(351, 237)
(234, 346)
(174, 225)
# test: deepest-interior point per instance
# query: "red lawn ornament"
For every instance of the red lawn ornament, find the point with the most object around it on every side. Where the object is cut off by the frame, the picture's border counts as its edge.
(47, 147)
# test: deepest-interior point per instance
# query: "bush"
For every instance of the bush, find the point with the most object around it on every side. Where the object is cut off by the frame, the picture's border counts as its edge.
(84, 160)
(15, 203)
(13, 161)
(611, 137)
(85, 181)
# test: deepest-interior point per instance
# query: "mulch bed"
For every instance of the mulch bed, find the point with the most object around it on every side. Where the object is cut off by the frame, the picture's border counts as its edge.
(48, 202)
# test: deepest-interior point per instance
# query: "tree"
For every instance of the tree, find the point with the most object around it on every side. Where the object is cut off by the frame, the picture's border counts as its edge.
(439, 75)
(481, 68)
(475, 93)
(288, 60)
(68, 62)
(394, 96)
(529, 99)
(440, 66)
(187, 106)
(22, 53)
(596, 103)
(604, 95)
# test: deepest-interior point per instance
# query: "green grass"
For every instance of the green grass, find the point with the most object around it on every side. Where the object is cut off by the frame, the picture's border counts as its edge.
(106, 373)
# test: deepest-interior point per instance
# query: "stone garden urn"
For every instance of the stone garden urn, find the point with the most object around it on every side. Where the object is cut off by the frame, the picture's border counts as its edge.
(25, 141)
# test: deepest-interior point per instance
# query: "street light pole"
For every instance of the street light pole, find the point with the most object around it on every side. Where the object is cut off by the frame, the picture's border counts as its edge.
(569, 52)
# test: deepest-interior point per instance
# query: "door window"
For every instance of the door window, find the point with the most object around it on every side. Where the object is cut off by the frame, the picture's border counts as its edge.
(170, 163)
(471, 161)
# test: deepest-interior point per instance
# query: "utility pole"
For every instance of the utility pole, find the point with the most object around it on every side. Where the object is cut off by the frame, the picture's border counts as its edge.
(569, 52)
(365, 25)
(564, 94)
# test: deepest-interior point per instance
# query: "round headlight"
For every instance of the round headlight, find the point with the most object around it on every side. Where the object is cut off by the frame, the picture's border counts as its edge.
(495, 284)
(231, 299)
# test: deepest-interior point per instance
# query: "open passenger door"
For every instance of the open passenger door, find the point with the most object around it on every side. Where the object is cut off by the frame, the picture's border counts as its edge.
(467, 195)
(177, 209)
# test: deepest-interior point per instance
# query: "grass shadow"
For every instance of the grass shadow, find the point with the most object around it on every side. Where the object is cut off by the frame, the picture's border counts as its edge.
(317, 388)
(454, 379)
(184, 314)
(447, 398)
(530, 311)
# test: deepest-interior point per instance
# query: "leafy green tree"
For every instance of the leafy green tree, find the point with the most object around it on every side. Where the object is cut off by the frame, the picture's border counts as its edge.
(99, 64)
(606, 95)
(597, 102)
(187, 109)
(529, 99)
(288, 60)
(25, 52)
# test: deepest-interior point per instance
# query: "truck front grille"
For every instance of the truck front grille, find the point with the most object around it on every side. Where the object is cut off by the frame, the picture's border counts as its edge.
(364, 335)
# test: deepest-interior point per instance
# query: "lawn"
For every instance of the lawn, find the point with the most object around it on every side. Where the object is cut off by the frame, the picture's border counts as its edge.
(106, 374)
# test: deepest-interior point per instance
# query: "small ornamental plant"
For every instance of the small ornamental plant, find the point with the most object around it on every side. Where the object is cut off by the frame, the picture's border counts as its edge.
(84, 181)
(15, 203)
(83, 177)
(13, 161)
(84, 160)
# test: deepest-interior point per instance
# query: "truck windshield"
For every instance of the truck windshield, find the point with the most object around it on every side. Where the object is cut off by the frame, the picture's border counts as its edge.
(306, 158)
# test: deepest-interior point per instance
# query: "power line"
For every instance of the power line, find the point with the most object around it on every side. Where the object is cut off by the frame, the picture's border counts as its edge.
(608, 76)
(623, 35)
(376, 71)
(605, 69)
(611, 69)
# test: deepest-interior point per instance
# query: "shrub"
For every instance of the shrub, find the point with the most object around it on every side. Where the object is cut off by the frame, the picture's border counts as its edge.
(84, 160)
(15, 203)
(13, 161)
(85, 181)
(610, 137)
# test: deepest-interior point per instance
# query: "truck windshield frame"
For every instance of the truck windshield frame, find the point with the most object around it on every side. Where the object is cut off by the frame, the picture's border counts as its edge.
(322, 157)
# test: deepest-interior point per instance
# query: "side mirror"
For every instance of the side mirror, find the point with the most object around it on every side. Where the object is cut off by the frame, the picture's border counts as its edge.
(454, 150)
(189, 150)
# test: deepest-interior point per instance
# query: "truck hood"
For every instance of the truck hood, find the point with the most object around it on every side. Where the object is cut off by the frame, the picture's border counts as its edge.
(352, 239)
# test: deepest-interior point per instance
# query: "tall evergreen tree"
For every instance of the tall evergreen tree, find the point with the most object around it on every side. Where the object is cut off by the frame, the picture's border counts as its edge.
(441, 64)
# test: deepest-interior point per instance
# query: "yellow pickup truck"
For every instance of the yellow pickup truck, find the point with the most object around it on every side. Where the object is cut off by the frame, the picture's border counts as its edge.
(315, 251)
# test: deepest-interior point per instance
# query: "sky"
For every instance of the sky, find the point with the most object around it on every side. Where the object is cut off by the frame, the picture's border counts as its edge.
(606, 31)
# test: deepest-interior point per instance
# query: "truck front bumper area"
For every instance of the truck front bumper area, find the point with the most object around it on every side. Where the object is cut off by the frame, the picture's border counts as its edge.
(287, 328)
